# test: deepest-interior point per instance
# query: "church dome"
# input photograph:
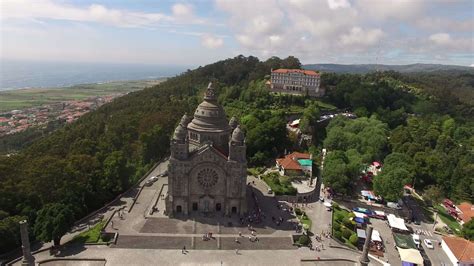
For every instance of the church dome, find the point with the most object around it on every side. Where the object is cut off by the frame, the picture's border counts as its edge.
(238, 135)
(179, 133)
(209, 115)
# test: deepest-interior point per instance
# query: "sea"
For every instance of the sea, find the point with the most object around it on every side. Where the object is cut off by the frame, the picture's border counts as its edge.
(25, 74)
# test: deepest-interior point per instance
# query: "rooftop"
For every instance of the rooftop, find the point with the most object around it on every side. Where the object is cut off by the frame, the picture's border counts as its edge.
(467, 211)
(290, 162)
(461, 248)
(302, 71)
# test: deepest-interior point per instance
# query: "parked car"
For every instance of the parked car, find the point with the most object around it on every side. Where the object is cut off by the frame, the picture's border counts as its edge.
(151, 180)
(416, 239)
(393, 205)
(362, 210)
(428, 243)
(378, 215)
(165, 173)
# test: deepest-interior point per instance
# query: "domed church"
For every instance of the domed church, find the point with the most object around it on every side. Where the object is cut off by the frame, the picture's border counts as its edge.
(207, 168)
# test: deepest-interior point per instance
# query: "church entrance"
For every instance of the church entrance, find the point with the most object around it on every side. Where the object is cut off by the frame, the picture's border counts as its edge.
(195, 206)
(218, 207)
(179, 209)
(206, 203)
(234, 209)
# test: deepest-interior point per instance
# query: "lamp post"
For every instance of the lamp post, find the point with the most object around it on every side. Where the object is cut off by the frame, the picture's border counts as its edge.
(364, 257)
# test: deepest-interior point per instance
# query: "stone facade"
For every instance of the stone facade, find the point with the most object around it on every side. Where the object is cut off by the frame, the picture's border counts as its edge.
(208, 167)
(296, 81)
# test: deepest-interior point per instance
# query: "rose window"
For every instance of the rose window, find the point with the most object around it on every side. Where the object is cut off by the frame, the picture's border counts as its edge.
(207, 178)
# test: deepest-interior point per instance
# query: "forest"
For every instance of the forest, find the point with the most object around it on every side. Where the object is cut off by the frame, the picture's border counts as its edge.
(81, 166)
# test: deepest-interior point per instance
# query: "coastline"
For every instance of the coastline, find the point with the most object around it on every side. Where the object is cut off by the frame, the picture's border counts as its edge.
(82, 84)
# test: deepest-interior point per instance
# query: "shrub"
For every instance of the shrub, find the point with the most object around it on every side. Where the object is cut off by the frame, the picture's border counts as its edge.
(339, 217)
(348, 223)
(335, 205)
(304, 240)
(353, 239)
(337, 227)
(338, 235)
(346, 233)
(298, 211)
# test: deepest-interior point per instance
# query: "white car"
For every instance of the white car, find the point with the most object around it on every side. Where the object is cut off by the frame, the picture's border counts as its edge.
(428, 243)
(416, 239)
(151, 180)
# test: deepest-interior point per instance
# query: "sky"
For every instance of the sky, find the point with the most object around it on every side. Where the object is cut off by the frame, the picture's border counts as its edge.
(201, 32)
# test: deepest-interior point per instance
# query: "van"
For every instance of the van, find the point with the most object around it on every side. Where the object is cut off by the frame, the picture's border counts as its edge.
(393, 205)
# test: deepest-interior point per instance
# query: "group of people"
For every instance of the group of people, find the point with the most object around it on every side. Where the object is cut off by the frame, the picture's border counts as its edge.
(207, 236)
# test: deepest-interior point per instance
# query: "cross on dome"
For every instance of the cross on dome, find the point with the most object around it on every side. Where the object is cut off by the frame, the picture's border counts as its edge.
(210, 93)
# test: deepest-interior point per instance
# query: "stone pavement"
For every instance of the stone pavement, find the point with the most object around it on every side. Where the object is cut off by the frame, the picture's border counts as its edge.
(120, 256)
(152, 239)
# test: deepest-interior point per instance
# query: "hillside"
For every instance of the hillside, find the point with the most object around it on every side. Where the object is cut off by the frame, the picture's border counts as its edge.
(366, 68)
(80, 167)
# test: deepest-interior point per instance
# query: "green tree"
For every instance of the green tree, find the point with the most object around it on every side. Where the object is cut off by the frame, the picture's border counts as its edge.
(389, 184)
(468, 230)
(10, 232)
(53, 221)
(310, 118)
(433, 194)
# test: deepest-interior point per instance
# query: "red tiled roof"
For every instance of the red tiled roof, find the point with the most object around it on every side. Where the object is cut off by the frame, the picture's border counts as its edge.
(467, 211)
(305, 72)
(288, 164)
(462, 249)
(290, 161)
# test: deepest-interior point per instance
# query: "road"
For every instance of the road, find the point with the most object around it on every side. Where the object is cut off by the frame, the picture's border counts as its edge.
(426, 229)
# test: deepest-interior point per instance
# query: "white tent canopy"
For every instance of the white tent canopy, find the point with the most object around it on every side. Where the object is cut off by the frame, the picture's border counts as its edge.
(410, 255)
(376, 236)
(396, 222)
(361, 233)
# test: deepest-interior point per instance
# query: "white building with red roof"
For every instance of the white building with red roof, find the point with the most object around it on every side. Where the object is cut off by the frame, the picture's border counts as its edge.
(459, 250)
(296, 81)
(294, 164)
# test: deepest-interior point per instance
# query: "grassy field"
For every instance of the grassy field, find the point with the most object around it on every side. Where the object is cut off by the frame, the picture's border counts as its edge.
(90, 236)
(280, 185)
(448, 220)
(25, 98)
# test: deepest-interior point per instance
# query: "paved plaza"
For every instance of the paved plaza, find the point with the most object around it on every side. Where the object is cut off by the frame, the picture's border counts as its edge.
(148, 237)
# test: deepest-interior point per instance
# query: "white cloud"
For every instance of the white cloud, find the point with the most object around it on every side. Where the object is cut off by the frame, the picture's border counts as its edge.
(47, 9)
(391, 9)
(336, 4)
(441, 38)
(359, 37)
(211, 42)
(471, 65)
(182, 10)
(445, 24)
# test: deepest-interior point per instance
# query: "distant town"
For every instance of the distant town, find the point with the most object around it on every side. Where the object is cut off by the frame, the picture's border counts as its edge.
(66, 112)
